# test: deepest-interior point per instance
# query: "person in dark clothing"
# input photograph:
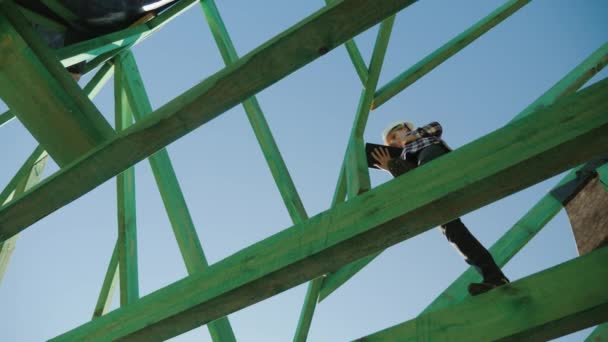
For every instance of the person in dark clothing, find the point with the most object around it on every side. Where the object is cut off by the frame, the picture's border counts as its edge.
(420, 146)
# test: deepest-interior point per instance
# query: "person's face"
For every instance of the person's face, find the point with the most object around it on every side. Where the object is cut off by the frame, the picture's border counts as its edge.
(396, 137)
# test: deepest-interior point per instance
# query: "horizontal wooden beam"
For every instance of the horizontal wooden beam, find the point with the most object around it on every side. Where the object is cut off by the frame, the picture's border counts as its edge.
(552, 303)
(277, 58)
(492, 167)
(56, 111)
(446, 51)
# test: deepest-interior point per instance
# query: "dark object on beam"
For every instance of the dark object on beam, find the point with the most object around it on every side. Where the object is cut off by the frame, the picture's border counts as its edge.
(97, 17)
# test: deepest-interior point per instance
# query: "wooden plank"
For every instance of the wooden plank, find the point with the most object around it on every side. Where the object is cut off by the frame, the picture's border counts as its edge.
(314, 286)
(125, 193)
(355, 55)
(430, 62)
(282, 55)
(34, 167)
(170, 190)
(56, 112)
(36, 18)
(600, 334)
(534, 308)
(357, 172)
(104, 301)
(355, 165)
(82, 51)
(8, 192)
(522, 154)
(570, 83)
(567, 85)
(262, 131)
(6, 117)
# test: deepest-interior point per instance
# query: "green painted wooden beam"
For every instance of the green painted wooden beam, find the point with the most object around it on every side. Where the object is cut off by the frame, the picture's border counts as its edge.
(57, 113)
(567, 85)
(314, 286)
(522, 154)
(48, 23)
(440, 55)
(355, 166)
(125, 193)
(170, 190)
(357, 172)
(7, 193)
(104, 301)
(504, 248)
(82, 51)
(570, 83)
(355, 55)
(34, 166)
(269, 63)
(262, 131)
(6, 117)
(599, 334)
(552, 303)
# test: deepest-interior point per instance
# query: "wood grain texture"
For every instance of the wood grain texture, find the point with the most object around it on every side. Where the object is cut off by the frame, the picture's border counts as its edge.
(169, 188)
(534, 308)
(269, 63)
(492, 167)
(57, 112)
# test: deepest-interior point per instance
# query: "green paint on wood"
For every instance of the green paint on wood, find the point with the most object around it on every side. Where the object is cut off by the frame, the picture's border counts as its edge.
(440, 55)
(535, 308)
(355, 165)
(104, 301)
(355, 55)
(357, 173)
(6, 117)
(599, 334)
(570, 83)
(28, 175)
(75, 53)
(367, 223)
(567, 85)
(7, 193)
(170, 190)
(36, 18)
(282, 55)
(271, 152)
(125, 193)
(58, 114)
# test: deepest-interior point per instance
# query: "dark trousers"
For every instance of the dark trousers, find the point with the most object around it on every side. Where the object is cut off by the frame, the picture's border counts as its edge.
(459, 236)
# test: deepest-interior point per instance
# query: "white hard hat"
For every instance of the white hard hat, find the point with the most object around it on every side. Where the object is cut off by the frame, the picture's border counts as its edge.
(396, 125)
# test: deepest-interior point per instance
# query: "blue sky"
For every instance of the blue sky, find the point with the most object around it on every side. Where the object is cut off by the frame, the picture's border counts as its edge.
(55, 274)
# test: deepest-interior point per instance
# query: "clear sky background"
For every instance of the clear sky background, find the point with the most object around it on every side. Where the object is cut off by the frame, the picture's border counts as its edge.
(56, 272)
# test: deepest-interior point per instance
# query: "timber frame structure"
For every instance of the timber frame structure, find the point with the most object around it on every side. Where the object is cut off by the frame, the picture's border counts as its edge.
(329, 248)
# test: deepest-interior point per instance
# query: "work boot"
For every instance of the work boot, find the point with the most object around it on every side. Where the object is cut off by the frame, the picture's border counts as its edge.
(479, 288)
